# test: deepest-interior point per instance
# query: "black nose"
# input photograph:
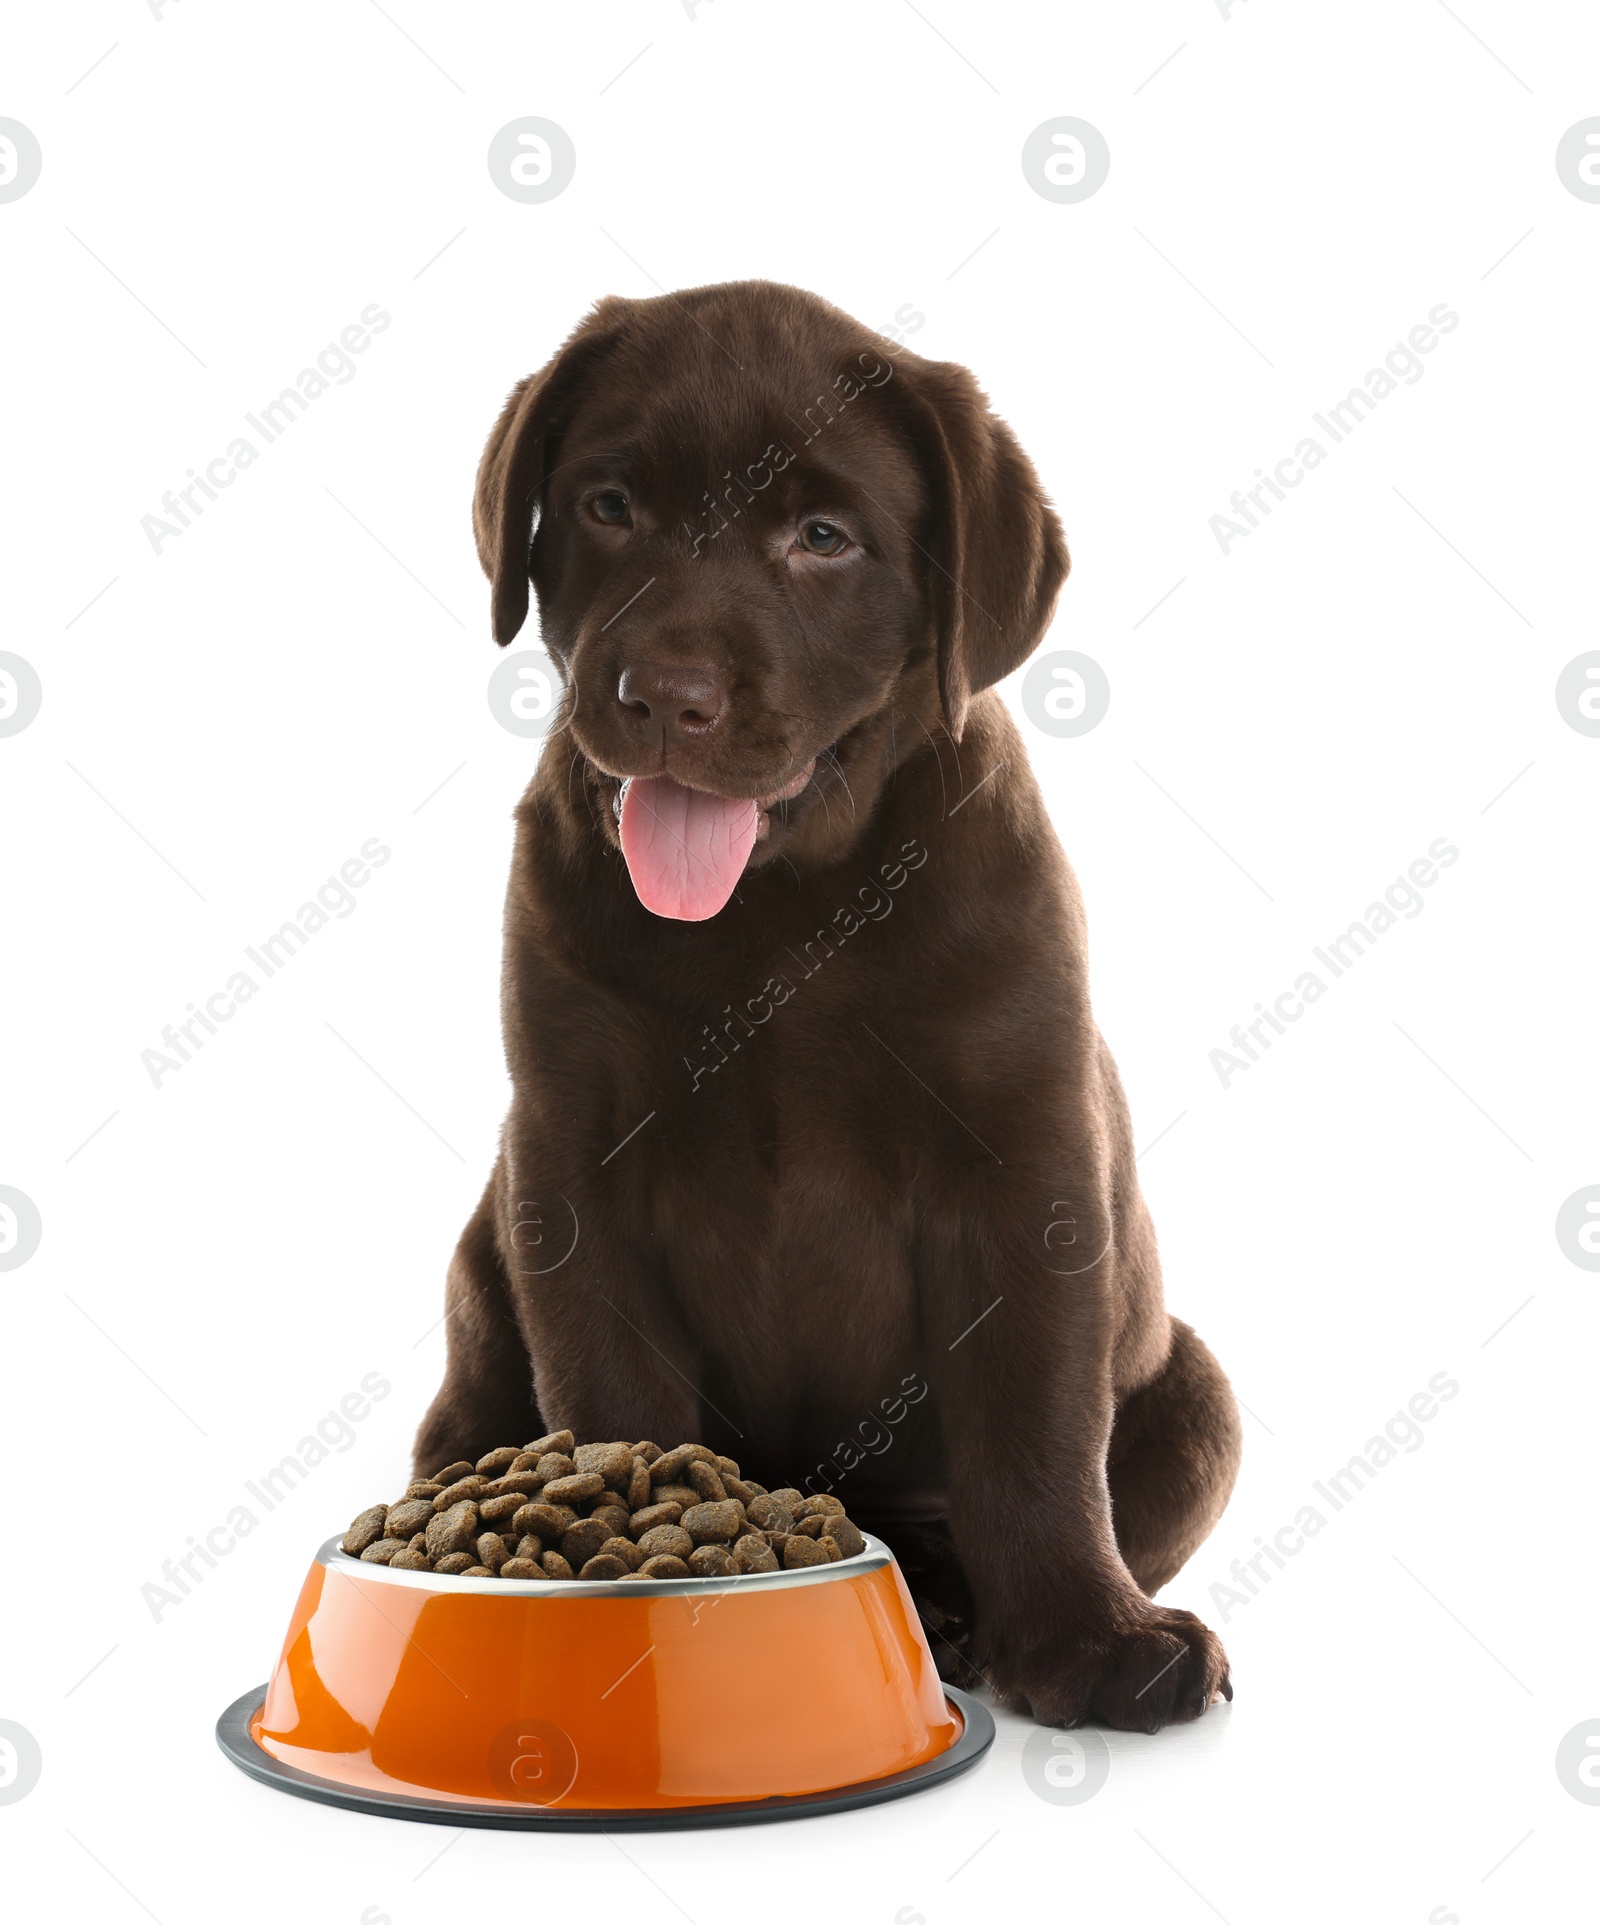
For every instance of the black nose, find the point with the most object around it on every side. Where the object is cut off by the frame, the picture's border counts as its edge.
(681, 703)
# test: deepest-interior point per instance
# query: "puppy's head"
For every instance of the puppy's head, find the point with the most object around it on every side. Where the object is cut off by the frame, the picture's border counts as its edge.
(757, 533)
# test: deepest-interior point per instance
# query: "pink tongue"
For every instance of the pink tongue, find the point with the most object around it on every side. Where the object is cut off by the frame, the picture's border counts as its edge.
(685, 850)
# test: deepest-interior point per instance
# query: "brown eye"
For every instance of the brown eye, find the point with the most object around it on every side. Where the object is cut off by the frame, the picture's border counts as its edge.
(611, 508)
(822, 538)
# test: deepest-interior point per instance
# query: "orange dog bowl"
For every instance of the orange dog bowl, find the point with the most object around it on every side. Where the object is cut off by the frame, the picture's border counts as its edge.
(541, 1705)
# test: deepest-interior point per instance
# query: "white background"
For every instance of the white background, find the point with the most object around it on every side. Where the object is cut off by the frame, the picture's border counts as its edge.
(224, 1257)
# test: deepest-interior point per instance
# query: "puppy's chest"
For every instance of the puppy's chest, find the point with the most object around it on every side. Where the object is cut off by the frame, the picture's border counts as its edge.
(785, 1193)
(799, 1280)
(787, 1165)
(787, 1098)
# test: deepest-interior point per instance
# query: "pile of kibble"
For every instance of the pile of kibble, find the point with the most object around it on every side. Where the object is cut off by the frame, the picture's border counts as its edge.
(559, 1509)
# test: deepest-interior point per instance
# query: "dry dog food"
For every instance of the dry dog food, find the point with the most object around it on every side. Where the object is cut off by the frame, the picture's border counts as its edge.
(560, 1509)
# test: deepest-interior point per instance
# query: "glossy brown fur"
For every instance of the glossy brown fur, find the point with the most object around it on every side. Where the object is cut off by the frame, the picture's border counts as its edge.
(885, 1192)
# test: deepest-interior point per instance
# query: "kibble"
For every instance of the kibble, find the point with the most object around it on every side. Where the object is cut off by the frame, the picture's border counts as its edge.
(707, 1480)
(460, 1491)
(683, 1495)
(583, 1541)
(800, 1551)
(710, 1560)
(846, 1535)
(650, 1515)
(526, 1483)
(753, 1554)
(453, 1530)
(557, 1510)
(549, 1520)
(667, 1467)
(767, 1513)
(666, 1540)
(659, 1567)
(573, 1489)
(364, 1530)
(612, 1463)
(406, 1519)
(714, 1523)
(820, 1507)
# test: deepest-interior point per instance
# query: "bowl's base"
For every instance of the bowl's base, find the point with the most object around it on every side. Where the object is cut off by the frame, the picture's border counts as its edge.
(233, 1735)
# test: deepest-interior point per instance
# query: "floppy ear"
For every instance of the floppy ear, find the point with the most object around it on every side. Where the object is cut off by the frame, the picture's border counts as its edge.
(998, 554)
(516, 461)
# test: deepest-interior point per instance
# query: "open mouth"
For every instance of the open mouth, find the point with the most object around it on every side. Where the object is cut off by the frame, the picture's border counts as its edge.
(686, 848)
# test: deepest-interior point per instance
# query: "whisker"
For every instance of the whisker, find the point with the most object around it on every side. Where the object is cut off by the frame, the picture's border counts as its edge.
(814, 721)
(944, 798)
(838, 767)
(954, 745)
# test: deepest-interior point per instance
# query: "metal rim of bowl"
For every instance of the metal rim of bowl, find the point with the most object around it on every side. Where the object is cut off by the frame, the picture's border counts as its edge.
(241, 1749)
(876, 1555)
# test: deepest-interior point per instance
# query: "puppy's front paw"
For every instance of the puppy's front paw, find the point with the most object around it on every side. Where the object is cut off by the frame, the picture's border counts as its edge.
(1164, 1669)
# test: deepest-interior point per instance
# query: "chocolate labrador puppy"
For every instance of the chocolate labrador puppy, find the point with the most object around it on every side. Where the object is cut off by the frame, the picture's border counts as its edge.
(813, 1136)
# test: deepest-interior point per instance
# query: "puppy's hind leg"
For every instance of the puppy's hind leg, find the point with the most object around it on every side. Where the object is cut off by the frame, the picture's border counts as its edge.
(1174, 1454)
(487, 1397)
